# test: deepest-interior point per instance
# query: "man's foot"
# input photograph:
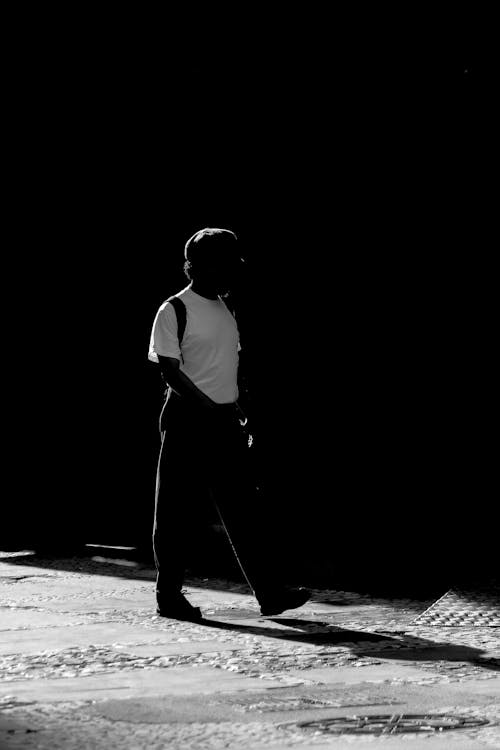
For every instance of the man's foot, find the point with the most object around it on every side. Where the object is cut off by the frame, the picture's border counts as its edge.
(275, 604)
(177, 607)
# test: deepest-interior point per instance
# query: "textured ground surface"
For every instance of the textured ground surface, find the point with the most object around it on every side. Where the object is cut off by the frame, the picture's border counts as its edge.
(86, 663)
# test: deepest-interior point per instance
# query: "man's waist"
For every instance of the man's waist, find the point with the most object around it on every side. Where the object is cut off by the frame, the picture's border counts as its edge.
(225, 405)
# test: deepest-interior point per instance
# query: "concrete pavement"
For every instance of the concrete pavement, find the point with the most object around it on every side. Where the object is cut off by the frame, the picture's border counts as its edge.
(86, 663)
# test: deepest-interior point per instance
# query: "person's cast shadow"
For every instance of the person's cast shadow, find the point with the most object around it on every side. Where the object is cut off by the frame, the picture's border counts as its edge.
(401, 646)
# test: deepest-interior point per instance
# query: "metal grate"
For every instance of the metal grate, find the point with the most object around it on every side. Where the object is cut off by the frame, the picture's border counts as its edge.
(461, 608)
(382, 724)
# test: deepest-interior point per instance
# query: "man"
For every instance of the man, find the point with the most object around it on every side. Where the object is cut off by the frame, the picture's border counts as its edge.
(204, 451)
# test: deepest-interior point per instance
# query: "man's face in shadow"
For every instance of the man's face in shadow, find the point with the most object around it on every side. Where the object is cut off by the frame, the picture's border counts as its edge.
(219, 271)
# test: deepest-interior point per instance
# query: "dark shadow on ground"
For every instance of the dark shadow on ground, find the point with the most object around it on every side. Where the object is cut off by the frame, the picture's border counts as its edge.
(97, 561)
(310, 632)
(406, 647)
(132, 564)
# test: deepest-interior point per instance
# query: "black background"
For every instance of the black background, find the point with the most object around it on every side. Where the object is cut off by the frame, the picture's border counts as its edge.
(352, 158)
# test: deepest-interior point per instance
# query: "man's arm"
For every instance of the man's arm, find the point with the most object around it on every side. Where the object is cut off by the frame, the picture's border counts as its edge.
(182, 385)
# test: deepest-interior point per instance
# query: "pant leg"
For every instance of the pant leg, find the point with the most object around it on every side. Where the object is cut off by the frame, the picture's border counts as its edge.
(179, 487)
(242, 509)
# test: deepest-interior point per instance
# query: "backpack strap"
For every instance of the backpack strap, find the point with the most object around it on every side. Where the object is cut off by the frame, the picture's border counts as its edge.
(180, 311)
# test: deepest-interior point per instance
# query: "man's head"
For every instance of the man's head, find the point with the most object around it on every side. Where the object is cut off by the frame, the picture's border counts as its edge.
(213, 261)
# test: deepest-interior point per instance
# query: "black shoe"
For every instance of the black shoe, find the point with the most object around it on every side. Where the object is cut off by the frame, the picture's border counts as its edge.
(178, 608)
(275, 604)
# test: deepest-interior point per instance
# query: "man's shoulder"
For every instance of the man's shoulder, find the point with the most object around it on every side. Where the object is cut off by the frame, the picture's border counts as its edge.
(183, 296)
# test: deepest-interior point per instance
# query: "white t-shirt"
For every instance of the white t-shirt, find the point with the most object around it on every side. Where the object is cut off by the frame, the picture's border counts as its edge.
(209, 347)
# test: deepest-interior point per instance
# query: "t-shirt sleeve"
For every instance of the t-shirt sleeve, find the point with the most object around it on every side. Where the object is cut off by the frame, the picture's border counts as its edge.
(164, 340)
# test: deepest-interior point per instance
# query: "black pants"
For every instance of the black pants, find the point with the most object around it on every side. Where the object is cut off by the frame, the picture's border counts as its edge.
(202, 462)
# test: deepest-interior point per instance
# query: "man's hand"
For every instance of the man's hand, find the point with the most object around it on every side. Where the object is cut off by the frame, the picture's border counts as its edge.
(222, 420)
(226, 420)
